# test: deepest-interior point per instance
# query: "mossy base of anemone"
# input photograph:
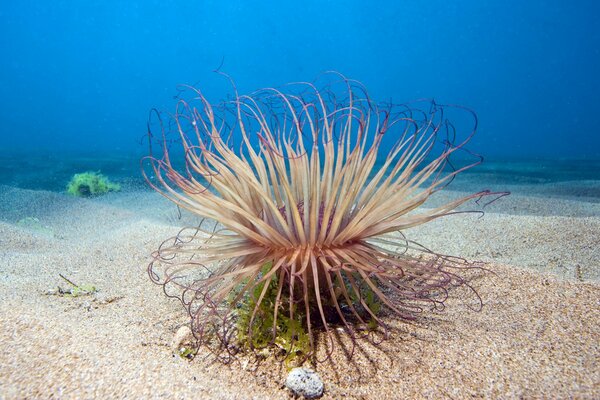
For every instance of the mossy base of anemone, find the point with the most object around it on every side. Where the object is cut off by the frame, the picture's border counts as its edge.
(369, 298)
(88, 184)
(290, 337)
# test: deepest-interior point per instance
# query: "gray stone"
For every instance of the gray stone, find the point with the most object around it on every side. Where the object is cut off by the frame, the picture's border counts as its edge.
(304, 382)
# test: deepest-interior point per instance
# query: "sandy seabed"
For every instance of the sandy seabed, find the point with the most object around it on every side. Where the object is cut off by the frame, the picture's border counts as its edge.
(538, 334)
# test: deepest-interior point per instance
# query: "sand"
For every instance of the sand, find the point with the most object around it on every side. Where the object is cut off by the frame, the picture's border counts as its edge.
(538, 334)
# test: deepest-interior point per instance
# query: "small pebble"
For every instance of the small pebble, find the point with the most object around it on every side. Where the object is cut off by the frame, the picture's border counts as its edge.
(182, 335)
(304, 382)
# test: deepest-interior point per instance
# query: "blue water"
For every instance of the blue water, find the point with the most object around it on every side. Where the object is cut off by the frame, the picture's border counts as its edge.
(77, 79)
(80, 77)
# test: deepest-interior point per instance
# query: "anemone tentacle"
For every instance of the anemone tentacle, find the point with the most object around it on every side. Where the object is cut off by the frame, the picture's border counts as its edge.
(319, 185)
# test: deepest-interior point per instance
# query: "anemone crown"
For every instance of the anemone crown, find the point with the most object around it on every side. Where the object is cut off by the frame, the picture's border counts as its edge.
(318, 185)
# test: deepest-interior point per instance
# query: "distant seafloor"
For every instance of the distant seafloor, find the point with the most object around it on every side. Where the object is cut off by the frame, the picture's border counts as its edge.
(543, 188)
(564, 178)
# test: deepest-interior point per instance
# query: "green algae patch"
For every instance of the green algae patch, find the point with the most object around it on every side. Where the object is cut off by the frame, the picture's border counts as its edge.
(88, 184)
(290, 336)
(187, 353)
(74, 290)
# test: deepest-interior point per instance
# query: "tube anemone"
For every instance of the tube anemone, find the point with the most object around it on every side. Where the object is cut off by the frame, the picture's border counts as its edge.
(310, 190)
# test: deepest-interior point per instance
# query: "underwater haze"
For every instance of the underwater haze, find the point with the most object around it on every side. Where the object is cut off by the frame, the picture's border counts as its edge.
(419, 218)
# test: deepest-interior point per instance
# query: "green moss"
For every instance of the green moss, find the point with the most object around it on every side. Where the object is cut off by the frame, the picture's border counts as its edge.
(77, 290)
(370, 299)
(73, 291)
(82, 290)
(89, 184)
(290, 336)
(187, 353)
